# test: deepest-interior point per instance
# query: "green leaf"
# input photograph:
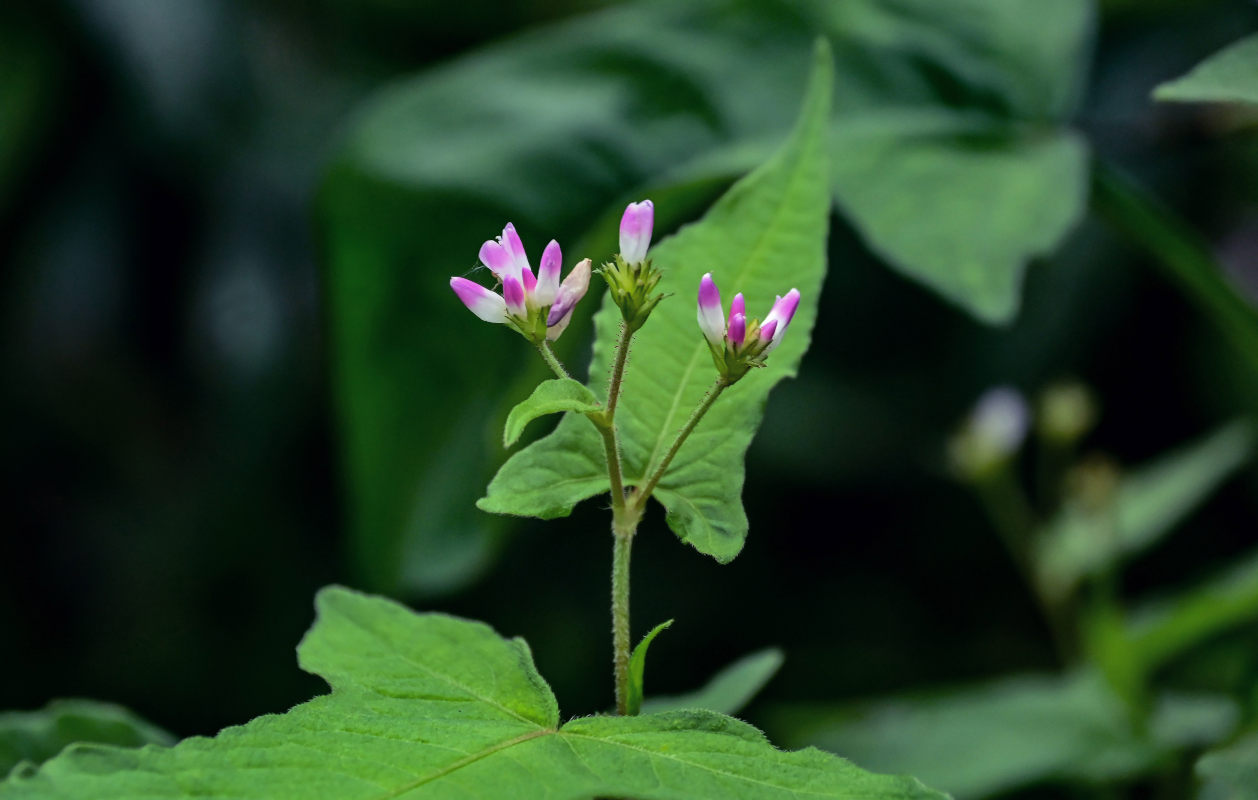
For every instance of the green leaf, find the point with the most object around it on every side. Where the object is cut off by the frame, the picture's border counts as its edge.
(764, 236)
(1151, 501)
(427, 705)
(993, 738)
(550, 397)
(637, 667)
(32, 737)
(730, 689)
(1230, 773)
(1165, 628)
(959, 204)
(1228, 76)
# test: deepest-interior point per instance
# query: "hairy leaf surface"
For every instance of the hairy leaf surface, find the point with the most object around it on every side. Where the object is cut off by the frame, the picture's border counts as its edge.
(427, 705)
(550, 397)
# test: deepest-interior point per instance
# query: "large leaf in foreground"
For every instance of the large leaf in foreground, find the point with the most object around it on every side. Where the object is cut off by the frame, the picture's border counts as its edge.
(1228, 76)
(764, 236)
(427, 705)
(992, 738)
(36, 736)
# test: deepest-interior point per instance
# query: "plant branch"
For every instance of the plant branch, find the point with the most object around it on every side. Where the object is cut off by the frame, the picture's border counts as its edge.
(643, 492)
(551, 360)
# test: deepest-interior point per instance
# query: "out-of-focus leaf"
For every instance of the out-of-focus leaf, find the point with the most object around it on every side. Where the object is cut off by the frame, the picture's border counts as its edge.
(550, 397)
(1165, 628)
(1150, 502)
(1228, 76)
(959, 204)
(30, 738)
(1230, 773)
(993, 738)
(729, 690)
(637, 667)
(764, 236)
(427, 705)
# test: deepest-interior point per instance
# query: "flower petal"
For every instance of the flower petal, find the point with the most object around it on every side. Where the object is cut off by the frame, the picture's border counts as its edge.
(548, 275)
(635, 231)
(499, 261)
(570, 293)
(513, 295)
(711, 319)
(480, 301)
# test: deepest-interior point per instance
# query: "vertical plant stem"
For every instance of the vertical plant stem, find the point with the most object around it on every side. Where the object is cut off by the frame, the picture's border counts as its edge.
(624, 525)
(644, 491)
(621, 548)
(548, 356)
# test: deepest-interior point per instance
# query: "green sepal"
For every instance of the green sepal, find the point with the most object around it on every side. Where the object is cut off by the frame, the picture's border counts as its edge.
(637, 668)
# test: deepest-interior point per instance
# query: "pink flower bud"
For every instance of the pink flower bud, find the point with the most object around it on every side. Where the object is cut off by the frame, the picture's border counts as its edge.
(499, 261)
(711, 319)
(570, 293)
(548, 275)
(528, 280)
(737, 306)
(635, 231)
(480, 301)
(781, 314)
(737, 328)
(767, 330)
(511, 241)
(513, 295)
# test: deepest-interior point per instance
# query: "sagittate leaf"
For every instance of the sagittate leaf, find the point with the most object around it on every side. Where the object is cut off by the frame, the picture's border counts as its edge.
(31, 737)
(1150, 503)
(1228, 76)
(550, 397)
(1230, 773)
(427, 705)
(729, 690)
(763, 237)
(637, 667)
(992, 738)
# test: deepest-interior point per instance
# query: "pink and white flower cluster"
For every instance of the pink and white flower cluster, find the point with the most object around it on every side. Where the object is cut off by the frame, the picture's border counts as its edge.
(538, 306)
(735, 332)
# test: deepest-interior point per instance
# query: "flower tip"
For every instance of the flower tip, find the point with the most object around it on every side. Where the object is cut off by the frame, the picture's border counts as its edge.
(636, 225)
(480, 301)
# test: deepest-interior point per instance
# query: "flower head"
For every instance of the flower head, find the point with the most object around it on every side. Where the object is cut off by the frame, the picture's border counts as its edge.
(635, 231)
(738, 344)
(992, 434)
(538, 306)
(631, 279)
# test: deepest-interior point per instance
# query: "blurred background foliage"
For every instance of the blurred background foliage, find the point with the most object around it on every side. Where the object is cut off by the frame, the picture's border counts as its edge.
(233, 371)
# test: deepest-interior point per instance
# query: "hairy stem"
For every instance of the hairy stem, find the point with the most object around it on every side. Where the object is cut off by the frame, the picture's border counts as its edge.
(618, 371)
(644, 491)
(622, 545)
(548, 356)
(624, 524)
